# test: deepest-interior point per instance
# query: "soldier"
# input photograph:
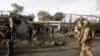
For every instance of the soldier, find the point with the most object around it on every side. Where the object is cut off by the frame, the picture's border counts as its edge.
(85, 39)
(78, 28)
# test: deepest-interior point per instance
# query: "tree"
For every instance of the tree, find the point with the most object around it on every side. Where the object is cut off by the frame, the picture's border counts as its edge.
(17, 9)
(51, 18)
(43, 15)
(58, 16)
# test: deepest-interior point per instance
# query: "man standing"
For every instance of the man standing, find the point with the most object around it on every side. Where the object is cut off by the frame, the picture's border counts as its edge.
(9, 37)
(85, 39)
(30, 28)
(52, 33)
(78, 28)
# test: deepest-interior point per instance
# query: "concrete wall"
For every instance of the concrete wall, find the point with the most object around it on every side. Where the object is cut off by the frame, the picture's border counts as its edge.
(21, 29)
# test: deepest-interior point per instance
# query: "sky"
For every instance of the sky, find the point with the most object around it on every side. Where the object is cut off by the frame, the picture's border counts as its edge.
(53, 6)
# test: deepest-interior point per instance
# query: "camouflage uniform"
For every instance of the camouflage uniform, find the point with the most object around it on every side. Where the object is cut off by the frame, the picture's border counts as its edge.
(86, 40)
(78, 28)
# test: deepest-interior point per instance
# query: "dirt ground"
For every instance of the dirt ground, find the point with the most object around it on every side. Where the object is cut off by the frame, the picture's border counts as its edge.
(71, 48)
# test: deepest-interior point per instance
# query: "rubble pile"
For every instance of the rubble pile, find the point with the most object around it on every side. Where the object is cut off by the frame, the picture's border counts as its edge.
(51, 43)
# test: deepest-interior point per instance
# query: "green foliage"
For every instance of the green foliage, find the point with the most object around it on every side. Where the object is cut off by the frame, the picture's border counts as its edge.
(58, 16)
(51, 18)
(17, 9)
(43, 15)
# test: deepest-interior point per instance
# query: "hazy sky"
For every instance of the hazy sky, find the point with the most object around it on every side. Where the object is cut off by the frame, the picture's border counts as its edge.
(53, 6)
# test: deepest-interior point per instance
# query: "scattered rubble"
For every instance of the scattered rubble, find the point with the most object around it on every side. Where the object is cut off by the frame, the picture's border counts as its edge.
(51, 43)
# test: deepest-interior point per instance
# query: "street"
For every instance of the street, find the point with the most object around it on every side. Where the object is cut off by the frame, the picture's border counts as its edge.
(68, 50)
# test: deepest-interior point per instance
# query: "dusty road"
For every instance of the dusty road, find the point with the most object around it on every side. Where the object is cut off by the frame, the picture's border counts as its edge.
(68, 50)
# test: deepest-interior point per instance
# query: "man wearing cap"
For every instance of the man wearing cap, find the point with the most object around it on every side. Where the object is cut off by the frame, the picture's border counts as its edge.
(86, 39)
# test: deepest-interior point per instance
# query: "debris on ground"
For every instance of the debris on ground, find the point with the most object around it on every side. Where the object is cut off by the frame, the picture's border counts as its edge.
(51, 43)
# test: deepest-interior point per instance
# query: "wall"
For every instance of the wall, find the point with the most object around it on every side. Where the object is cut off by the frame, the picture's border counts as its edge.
(21, 29)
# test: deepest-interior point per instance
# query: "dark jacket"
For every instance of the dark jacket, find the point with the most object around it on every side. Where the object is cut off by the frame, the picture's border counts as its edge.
(9, 34)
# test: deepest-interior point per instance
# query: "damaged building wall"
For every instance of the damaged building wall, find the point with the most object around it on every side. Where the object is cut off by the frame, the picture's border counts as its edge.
(21, 28)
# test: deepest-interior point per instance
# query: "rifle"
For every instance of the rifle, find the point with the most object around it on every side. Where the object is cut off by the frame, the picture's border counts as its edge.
(80, 36)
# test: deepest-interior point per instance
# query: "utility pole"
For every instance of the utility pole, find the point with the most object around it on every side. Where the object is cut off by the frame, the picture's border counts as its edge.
(1, 14)
(70, 21)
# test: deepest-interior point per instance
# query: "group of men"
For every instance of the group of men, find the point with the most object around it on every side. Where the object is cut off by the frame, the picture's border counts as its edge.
(85, 36)
(36, 30)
